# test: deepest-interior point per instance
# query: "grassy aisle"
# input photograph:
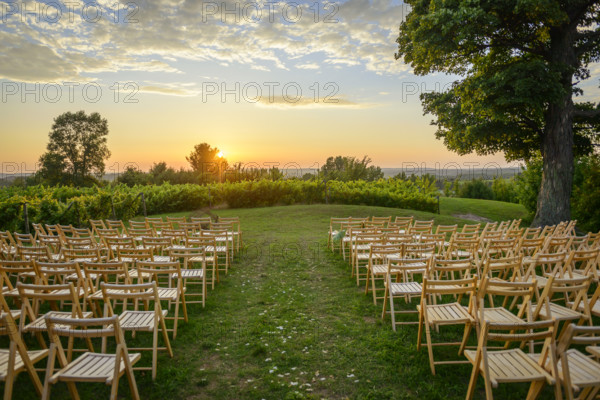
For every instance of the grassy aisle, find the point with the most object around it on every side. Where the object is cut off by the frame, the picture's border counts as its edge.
(288, 322)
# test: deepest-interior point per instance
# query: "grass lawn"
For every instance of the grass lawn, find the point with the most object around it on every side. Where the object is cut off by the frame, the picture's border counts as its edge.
(288, 322)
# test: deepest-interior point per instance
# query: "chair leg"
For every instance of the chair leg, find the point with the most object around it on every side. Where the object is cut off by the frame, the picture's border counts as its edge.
(385, 297)
(373, 288)
(535, 389)
(204, 289)
(10, 375)
(175, 319)
(465, 338)
(163, 327)
(473, 381)
(392, 311)
(114, 388)
(154, 348)
(429, 347)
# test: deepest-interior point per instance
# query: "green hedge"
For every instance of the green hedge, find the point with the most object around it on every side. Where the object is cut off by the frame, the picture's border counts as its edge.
(68, 205)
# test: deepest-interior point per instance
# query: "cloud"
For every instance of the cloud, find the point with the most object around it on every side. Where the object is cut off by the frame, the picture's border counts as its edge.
(160, 35)
(288, 103)
(308, 66)
(171, 89)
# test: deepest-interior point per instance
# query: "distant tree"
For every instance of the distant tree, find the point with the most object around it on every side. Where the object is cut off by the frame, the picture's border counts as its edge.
(476, 189)
(520, 65)
(77, 149)
(133, 176)
(350, 169)
(205, 160)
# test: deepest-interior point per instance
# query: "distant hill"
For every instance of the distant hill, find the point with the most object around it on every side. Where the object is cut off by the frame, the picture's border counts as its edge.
(439, 173)
(453, 173)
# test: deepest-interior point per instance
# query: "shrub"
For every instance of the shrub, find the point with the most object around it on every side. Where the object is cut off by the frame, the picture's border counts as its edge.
(476, 189)
(68, 205)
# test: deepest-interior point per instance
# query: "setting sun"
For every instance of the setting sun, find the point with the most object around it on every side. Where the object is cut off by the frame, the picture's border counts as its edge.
(220, 154)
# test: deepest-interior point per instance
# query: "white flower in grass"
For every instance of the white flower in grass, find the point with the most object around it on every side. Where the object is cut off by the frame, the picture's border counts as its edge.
(268, 359)
(294, 383)
(350, 375)
(280, 327)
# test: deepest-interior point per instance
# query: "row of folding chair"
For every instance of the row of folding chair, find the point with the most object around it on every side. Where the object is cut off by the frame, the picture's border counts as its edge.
(31, 284)
(503, 282)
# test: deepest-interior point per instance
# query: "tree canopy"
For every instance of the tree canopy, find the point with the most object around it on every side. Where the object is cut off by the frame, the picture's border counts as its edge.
(350, 169)
(76, 150)
(519, 63)
(207, 161)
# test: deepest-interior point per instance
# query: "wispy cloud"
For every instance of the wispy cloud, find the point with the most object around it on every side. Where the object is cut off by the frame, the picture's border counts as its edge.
(308, 66)
(281, 102)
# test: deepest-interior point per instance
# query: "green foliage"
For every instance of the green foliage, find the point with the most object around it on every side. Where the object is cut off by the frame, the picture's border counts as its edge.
(69, 205)
(585, 198)
(528, 185)
(76, 149)
(505, 190)
(133, 176)
(350, 169)
(205, 161)
(476, 189)
(585, 202)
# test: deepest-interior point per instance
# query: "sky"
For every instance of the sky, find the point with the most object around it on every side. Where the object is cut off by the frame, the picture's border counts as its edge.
(269, 83)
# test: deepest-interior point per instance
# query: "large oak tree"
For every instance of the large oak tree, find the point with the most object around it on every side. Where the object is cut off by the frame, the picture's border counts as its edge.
(77, 148)
(520, 64)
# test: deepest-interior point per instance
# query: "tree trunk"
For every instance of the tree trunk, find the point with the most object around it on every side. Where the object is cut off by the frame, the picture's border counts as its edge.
(554, 198)
(553, 205)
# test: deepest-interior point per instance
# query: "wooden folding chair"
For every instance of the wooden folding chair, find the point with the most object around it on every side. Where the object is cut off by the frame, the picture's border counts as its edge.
(223, 241)
(90, 366)
(420, 227)
(237, 230)
(203, 221)
(499, 293)
(193, 256)
(175, 221)
(191, 229)
(577, 372)
(514, 365)
(160, 247)
(25, 239)
(118, 225)
(108, 272)
(135, 320)
(174, 293)
(17, 358)
(398, 285)
(33, 321)
(40, 253)
(14, 271)
(506, 268)
(435, 314)
(574, 292)
(360, 249)
(583, 262)
(93, 254)
(8, 246)
(377, 267)
(54, 243)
